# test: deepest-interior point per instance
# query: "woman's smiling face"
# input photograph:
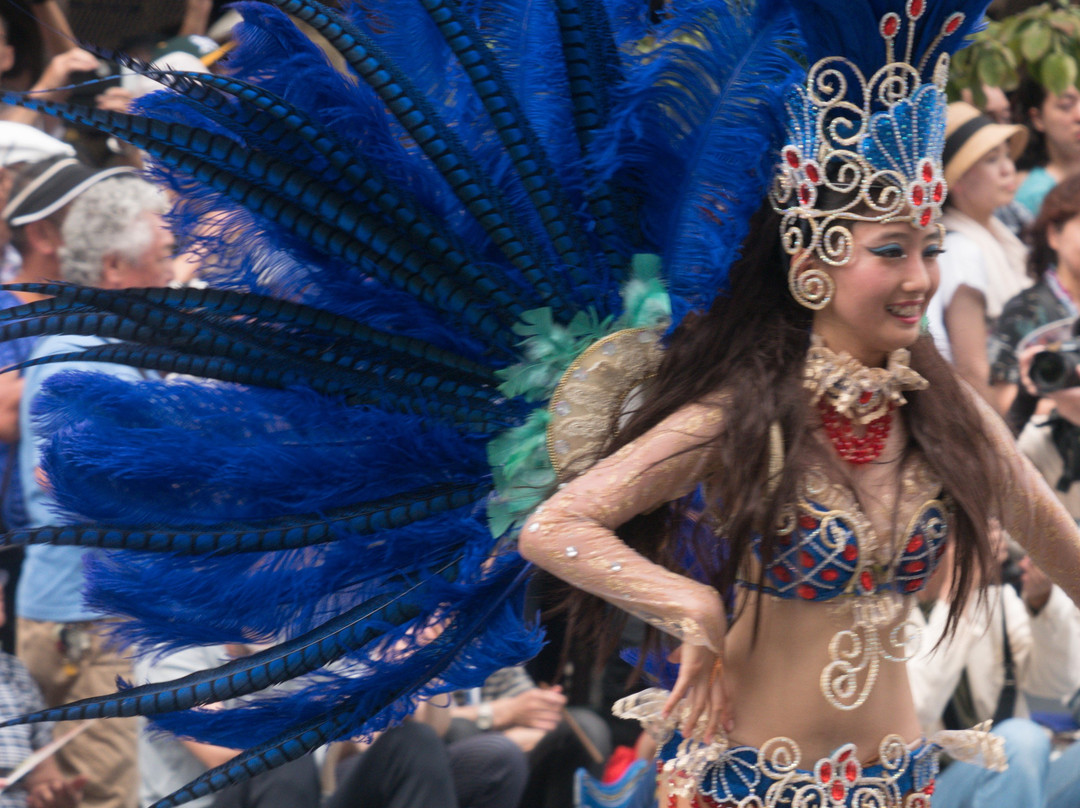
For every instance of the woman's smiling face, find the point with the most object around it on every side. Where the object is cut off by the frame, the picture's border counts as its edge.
(881, 293)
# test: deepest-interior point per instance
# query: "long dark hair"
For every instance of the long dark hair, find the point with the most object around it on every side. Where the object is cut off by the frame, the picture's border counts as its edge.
(1060, 204)
(1029, 95)
(752, 345)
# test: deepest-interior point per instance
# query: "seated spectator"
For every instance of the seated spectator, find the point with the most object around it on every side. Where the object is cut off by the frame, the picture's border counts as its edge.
(1054, 151)
(112, 236)
(995, 104)
(983, 263)
(408, 765)
(167, 763)
(44, 786)
(1005, 645)
(65, 61)
(558, 741)
(997, 107)
(21, 147)
(412, 764)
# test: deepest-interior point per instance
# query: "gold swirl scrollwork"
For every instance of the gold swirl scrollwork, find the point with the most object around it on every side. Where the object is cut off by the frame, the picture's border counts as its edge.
(779, 757)
(792, 234)
(885, 795)
(827, 83)
(893, 83)
(837, 243)
(810, 795)
(812, 288)
(903, 637)
(847, 180)
(857, 653)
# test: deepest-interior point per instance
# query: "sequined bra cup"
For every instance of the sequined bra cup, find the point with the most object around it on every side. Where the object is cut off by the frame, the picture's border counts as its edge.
(821, 558)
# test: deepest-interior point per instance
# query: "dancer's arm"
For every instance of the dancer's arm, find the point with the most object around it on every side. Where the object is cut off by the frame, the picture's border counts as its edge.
(1032, 514)
(573, 536)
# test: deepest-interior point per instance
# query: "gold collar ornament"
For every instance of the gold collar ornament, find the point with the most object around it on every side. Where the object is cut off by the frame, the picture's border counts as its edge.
(853, 390)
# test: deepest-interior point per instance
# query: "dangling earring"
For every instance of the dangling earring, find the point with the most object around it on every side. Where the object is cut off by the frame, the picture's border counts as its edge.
(812, 288)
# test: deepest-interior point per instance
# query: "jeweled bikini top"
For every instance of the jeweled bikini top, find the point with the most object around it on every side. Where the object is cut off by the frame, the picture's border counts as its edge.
(832, 550)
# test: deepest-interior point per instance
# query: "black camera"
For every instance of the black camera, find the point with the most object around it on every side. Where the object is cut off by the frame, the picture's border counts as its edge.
(1057, 369)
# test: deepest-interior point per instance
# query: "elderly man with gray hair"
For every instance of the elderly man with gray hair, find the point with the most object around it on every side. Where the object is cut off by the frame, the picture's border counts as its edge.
(113, 237)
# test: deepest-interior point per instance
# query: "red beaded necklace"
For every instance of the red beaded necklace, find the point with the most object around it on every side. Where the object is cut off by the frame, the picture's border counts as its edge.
(857, 449)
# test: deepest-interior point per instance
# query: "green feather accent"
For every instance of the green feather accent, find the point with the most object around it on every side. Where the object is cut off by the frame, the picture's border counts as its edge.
(521, 467)
(522, 472)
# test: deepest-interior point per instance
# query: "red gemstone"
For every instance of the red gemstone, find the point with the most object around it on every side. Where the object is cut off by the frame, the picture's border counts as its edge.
(781, 573)
(927, 171)
(825, 772)
(890, 24)
(939, 192)
(844, 755)
(953, 23)
(804, 195)
(812, 173)
(807, 592)
(865, 397)
(829, 575)
(913, 585)
(806, 559)
(807, 522)
(916, 543)
(851, 552)
(915, 566)
(792, 157)
(915, 8)
(851, 771)
(918, 195)
(866, 580)
(837, 791)
(926, 218)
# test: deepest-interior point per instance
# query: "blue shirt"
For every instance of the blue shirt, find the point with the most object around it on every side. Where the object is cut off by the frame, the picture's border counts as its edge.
(12, 352)
(1035, 187)
(51, 583)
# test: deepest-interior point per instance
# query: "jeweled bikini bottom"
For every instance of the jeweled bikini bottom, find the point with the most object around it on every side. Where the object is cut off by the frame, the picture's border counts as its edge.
(771, 777)
(775, 776)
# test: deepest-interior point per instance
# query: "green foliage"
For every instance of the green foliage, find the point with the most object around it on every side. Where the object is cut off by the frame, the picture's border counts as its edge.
(1043, 41)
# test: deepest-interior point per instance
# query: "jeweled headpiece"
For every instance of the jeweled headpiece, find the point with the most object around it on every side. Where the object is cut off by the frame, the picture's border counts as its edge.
(866, 132)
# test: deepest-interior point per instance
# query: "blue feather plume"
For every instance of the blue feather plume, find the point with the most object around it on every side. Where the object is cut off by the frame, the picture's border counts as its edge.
(374, 232)
(702, 122)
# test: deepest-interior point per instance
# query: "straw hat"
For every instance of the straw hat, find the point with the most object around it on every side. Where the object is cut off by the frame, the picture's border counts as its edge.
(969, 135)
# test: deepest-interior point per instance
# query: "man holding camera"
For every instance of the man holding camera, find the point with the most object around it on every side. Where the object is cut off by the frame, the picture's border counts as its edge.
(1050, 391)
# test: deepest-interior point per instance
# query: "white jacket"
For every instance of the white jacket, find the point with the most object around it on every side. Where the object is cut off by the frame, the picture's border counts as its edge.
(1045, 648)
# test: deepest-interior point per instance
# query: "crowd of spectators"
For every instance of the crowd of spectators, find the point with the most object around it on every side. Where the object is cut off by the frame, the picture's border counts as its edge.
(1009, 288)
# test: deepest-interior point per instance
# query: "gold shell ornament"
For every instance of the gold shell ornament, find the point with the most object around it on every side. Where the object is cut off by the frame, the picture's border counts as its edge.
(596, 394)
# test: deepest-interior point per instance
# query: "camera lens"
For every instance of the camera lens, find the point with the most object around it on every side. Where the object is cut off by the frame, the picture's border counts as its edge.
(1055, 370)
